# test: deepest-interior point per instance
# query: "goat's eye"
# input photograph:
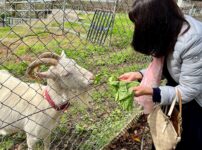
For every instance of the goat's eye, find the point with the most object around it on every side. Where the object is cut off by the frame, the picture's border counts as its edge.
(66, 74)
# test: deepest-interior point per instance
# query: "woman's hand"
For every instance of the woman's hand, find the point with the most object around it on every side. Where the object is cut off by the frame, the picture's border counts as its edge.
(130, 76)
(142, 90)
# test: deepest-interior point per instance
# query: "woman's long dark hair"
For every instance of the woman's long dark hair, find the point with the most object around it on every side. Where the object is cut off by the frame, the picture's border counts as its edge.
(157, 26)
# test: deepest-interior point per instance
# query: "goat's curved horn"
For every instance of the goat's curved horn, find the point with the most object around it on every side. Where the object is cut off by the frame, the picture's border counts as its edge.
(49, 55)
(37, 63)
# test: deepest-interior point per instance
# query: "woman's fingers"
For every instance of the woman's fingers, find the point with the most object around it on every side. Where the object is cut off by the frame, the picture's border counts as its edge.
(123, 77)
(130, 76)
(142, 90)
(137, 91)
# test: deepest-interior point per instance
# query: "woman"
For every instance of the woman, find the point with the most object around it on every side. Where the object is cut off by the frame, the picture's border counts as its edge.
(161, 30)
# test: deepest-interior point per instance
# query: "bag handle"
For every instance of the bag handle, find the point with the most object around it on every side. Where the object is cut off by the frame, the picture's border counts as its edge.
(179, 102)
(179, 98)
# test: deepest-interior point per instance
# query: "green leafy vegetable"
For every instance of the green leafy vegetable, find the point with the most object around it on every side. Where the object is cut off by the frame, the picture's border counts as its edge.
(122, 92)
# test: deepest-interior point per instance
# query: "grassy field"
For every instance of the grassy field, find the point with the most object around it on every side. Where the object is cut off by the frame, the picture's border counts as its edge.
(87, 124)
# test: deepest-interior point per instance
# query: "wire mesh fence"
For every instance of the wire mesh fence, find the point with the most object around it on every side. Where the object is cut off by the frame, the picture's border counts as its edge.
(63, 105)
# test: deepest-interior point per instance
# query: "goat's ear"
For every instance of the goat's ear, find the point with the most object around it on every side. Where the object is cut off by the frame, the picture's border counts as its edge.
(44, 75)
(63, 55)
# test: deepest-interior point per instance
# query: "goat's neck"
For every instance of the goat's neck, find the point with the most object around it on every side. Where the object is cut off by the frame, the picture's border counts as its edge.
(56, 92)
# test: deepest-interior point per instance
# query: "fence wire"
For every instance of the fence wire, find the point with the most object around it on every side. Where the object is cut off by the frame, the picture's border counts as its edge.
(64, 106)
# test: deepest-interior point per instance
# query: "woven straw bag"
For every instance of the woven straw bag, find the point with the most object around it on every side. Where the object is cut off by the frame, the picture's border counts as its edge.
(165, 126)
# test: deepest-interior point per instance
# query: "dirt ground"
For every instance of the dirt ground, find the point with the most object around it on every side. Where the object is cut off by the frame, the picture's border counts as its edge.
(136, 138)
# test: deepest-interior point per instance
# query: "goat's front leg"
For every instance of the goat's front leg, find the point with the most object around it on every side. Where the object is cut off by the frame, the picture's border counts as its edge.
(31, 141)
(46, 142)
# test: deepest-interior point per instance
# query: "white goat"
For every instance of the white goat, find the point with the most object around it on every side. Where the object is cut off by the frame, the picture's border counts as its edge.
(21, 103)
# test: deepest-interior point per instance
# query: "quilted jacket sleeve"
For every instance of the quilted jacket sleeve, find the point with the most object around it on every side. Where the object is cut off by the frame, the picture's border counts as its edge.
(190, 81)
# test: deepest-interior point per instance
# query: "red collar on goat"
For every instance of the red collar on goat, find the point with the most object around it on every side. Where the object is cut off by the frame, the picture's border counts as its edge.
(62, 107)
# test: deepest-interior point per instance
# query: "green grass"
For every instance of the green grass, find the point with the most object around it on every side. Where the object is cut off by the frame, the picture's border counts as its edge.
(7, 144)
(32, 49)
(4, 31)
(17, 68)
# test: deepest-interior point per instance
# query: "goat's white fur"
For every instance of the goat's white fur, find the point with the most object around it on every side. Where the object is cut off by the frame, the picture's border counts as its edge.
(19, 99)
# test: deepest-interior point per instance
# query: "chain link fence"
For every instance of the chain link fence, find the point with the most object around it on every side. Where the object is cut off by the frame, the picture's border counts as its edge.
(63, 105)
